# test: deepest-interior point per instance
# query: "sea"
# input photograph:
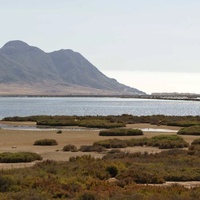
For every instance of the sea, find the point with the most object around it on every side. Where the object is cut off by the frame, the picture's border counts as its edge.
(94, 106)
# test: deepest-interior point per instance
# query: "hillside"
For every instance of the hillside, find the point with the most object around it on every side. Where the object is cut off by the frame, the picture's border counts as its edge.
(27, 70)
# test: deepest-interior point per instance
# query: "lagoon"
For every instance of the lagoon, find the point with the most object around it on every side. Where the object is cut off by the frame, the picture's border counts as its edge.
(81, 106)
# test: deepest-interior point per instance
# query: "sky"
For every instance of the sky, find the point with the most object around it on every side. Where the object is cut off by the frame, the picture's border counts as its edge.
(151, 45)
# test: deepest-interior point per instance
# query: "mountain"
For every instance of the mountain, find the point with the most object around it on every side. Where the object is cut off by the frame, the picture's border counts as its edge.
(27, 70)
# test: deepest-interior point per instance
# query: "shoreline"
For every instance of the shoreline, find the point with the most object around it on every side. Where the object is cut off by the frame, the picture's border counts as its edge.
(151, 97)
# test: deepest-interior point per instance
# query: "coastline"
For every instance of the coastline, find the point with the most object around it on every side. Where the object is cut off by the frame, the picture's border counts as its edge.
(154, 97)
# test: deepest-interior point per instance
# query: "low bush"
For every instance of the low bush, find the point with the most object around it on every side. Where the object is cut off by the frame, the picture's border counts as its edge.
(59, 132)
(110, 121)
(17, 157)
(137, 142)
(192, 130)
(6, 183)
(100, 123)
(121, 132)
(196, 142)
(112, 143)
(112, 170)
(91, 148)
(86, 121)
(70, 147)
(194, 149)
(161, 141)
(88, 178)
(114, 151)
(167, 142)
(58, 122)
(46, 142)
(182, 123)
(88, 195)
(138, 175)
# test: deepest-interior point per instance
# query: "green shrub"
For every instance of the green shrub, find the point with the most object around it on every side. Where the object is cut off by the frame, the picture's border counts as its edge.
(31, 194)
(86, 121)
(109, 121)
(46, 142)
(196, 142)
(194, 149)
(70, 147)
(114, 151)
(88, 195)
(183, 123)
(167, 142)
(138, 175)
(112, 143)
(91, 148)
(5, 183)
(88, 178)
(161, 141)
(112, 170)
(58, 122)
(121, 132)
(100, 123)
(17, 157)
(59, 132)
(192, 130)
(137, 142)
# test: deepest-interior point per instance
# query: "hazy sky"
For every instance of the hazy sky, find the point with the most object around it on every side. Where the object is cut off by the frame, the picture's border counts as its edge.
(153, 45)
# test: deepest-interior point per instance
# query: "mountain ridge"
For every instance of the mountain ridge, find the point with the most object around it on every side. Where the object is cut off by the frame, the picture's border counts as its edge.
(28, 69)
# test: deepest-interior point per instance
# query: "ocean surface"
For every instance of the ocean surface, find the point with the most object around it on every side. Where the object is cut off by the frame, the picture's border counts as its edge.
(26, 106)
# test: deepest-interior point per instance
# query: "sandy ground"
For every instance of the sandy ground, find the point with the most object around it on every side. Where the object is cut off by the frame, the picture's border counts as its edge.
(23, 140)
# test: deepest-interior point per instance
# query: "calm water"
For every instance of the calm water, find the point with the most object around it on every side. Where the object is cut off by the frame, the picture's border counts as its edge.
(21, 106)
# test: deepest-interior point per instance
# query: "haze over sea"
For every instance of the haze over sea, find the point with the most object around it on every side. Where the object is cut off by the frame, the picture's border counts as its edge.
(22, 106)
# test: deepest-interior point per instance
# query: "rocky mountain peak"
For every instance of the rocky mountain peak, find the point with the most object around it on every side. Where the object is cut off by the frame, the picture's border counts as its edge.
(61, 72)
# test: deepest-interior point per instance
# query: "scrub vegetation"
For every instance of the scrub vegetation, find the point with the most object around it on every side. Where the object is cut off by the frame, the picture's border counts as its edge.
(109, 121)
(161, 141)
(46, 142)
(88, 178)
(17, 157)
(119, 174)
(121, 132)
(192, 130)
(70, 147)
